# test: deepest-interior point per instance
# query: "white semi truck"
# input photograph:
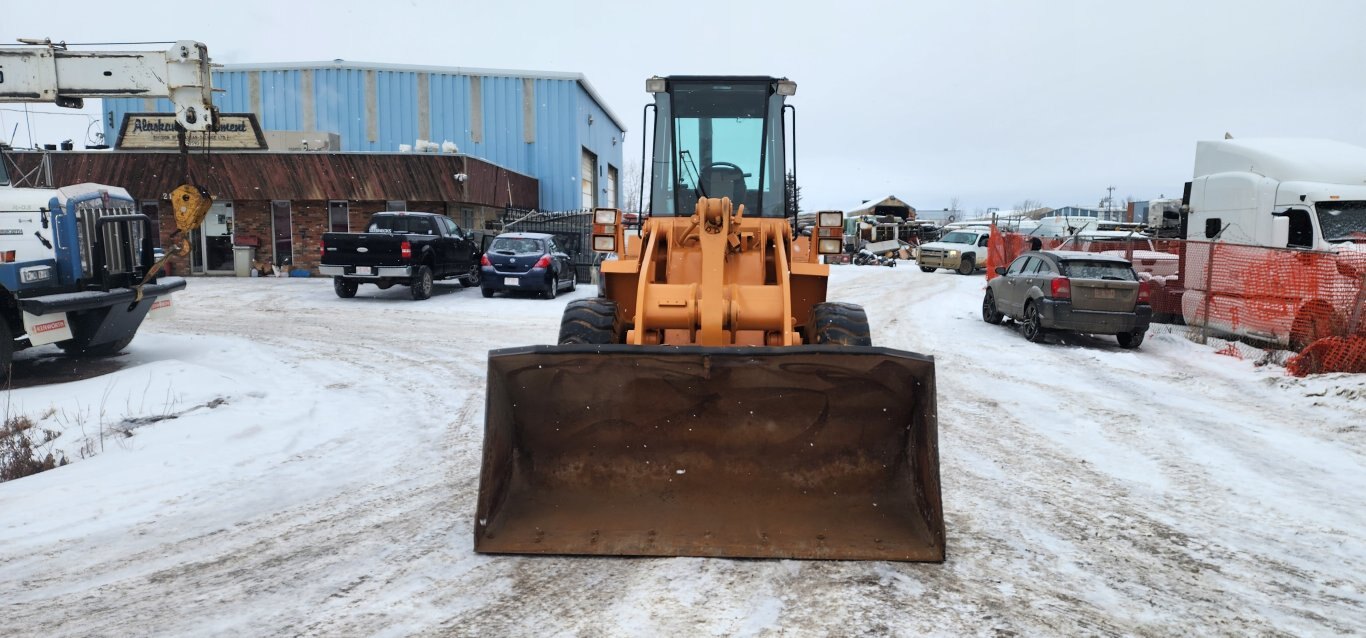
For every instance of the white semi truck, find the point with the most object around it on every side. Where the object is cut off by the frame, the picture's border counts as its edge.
(1308, 196)
(76, 262)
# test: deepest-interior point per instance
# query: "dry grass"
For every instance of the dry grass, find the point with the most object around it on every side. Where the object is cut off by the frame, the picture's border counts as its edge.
(26, 449)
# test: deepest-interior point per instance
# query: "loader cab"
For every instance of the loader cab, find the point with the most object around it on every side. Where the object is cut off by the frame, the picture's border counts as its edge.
(719, 137)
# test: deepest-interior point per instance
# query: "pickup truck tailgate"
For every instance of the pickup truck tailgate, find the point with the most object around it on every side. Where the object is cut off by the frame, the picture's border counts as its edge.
(363, 249)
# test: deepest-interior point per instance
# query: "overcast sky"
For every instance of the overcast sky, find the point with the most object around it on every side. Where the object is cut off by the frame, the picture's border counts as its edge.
(992, 102)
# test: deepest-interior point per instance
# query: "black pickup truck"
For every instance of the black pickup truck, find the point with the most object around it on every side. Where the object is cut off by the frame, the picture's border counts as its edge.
(407, 248)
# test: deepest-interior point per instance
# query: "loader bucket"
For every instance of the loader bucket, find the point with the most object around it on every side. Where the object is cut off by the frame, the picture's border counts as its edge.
(824, 452)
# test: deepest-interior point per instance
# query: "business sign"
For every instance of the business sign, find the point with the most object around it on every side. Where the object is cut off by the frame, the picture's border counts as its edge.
(236, 131)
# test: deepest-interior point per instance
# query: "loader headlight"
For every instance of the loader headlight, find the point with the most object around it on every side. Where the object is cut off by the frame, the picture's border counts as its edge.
(35, 273)
(605, 243)
(605, 216)
(830, 246)
(655, 85)
(834, 218)
(787, 87)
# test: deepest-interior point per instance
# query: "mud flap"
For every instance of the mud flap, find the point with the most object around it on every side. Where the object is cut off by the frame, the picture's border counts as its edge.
(818, 452)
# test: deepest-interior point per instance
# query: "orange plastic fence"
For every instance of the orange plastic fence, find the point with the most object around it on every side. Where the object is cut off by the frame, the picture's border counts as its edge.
(1288, 297)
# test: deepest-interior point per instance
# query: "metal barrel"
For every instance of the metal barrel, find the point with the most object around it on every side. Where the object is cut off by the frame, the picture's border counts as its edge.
(819, 452)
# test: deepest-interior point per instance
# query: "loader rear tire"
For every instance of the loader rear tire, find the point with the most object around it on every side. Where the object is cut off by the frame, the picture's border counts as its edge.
(838, 324)
(590, 321)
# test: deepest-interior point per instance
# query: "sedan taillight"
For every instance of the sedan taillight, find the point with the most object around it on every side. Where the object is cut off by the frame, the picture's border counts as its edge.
(1144, 292)
(543, 262)
(484, 260)
(1061, 288)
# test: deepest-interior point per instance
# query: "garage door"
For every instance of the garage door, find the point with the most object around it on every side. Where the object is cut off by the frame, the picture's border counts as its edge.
(612, 187)
(589, 176)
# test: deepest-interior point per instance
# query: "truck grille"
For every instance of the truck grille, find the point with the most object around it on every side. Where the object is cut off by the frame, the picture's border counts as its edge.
(120, 243)
(932, 252)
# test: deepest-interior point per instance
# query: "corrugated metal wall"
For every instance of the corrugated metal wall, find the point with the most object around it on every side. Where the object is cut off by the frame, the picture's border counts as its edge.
(377, 109)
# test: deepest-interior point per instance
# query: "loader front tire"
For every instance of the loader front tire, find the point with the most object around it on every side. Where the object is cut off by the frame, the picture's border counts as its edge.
(590, 321)
(838, 324)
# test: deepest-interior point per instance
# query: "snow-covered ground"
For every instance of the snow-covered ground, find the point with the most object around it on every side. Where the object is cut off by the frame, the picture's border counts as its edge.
(275, 460)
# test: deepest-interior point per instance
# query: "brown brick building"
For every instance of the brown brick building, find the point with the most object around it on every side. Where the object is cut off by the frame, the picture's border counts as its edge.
(282, 203)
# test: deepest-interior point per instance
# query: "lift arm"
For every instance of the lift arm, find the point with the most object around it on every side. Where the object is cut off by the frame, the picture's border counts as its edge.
(46, 72)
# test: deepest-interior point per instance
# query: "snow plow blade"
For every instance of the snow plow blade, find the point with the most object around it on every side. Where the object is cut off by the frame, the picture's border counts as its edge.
(818, 452)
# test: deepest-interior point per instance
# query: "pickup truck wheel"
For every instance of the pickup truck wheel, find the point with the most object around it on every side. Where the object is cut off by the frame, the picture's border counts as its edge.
(927, 269)
(421, 286)
(344, 289)
(1131, 340)
(838, 324)
(589, 321)
(989, 312)
(967, 265)
(473, 278)
(98, 350)
(1032, 326)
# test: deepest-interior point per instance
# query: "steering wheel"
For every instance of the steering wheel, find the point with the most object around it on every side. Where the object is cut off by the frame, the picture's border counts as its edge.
(728, 165)
(729, 172)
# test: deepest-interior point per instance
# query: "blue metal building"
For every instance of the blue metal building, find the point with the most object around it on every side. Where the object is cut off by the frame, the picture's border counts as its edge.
(551, 126)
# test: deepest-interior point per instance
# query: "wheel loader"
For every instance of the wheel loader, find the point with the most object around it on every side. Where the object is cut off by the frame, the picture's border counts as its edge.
(711, 401)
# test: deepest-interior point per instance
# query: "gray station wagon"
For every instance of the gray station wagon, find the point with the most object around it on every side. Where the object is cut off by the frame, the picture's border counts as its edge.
(1065, 290)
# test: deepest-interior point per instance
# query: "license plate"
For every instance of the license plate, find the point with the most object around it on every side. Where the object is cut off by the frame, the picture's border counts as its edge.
(512, 281)
(1105, 293)
(364, 270)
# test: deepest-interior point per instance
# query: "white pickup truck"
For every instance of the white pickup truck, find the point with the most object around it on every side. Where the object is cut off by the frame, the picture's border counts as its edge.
(964, 250)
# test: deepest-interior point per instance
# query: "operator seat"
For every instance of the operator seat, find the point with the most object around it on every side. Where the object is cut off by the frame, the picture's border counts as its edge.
(724, 181)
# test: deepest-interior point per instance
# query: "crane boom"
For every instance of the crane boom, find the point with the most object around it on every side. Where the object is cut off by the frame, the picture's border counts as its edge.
(46, 72)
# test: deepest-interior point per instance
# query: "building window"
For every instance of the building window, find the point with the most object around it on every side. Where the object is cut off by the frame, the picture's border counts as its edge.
(338, 217)
(282, 231)
(467, 217)
(395, 204)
